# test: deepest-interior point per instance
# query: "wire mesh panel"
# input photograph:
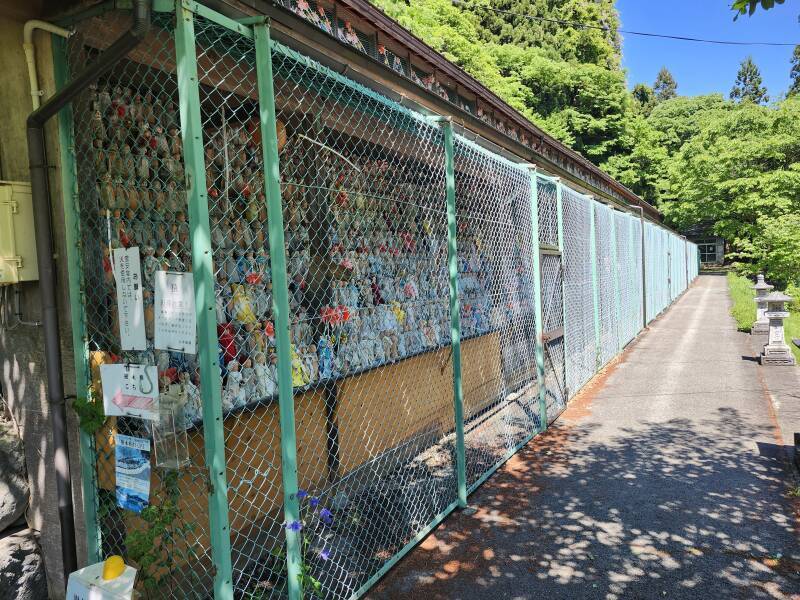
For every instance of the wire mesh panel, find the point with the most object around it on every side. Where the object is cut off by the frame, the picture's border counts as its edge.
(551, 273)
(133, 215)
(637, 273)
(495, 282)
(606, 276)
(578, 295)
(626, 294)
(363, 185)
(546, 191)
(657, 270)
(234, 180)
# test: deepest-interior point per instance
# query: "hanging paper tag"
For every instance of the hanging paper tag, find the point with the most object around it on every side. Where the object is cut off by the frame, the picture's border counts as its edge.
(132, 472)
(130, 305)
(130, 391)
(175, 324)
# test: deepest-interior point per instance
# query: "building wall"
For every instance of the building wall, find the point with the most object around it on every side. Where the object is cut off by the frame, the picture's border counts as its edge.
(22, 365)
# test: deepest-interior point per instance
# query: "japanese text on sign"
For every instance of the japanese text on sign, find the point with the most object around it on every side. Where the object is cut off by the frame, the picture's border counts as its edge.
(175, 323)
(127, 272)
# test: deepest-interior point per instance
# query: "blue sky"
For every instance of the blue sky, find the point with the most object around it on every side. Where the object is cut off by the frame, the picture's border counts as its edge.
(705, 68)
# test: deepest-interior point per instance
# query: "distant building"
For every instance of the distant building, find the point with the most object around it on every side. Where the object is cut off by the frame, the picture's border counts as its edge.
(710, 246)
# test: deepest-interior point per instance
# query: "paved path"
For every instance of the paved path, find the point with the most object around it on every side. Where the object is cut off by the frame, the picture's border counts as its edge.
(665, 479)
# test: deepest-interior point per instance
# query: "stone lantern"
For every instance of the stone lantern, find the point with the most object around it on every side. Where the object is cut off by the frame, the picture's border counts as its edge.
(762, 288)
(777, 351)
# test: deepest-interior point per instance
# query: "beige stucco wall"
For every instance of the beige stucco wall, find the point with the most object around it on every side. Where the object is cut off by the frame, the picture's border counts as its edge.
(22, 375)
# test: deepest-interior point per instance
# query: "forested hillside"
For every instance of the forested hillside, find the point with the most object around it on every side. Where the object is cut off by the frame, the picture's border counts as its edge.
(733, 163)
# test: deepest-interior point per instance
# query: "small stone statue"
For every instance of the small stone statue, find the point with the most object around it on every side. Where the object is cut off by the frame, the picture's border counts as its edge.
(234, 395)
(249, 379)
(265, 380)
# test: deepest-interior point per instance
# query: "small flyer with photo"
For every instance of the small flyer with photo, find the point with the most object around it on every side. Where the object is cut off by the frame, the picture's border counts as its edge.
(132, 472)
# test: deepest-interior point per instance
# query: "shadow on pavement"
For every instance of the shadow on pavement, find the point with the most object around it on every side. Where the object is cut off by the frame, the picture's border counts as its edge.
(678, 509)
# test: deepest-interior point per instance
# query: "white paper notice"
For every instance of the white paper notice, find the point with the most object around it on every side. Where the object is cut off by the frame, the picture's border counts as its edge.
(130, 391)
(130, 304)
(176, 328)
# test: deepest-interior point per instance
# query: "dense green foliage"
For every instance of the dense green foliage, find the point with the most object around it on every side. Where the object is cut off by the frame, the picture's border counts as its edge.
(741, 171)
(734, 165)
(748, 86)
(794, 73)
(539, 24)
(665, 87)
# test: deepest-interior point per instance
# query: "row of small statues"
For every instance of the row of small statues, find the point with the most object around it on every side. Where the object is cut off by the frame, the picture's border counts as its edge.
(348, 35)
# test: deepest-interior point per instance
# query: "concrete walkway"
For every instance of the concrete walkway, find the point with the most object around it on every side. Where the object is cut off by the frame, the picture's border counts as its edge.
(666, 478)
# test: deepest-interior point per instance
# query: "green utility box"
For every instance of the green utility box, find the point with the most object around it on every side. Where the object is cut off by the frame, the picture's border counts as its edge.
(17, 239)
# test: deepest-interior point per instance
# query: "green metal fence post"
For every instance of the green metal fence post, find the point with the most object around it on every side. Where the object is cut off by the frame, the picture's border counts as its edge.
(595, 290)
(537, 299)
(280, 303)
(80, 349)
(643, 257)
(631, 273)
(560, 223)
(203, 275)
(455, 310)
(615, 278)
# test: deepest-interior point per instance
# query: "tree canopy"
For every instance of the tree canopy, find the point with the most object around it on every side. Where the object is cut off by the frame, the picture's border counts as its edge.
(732, 163)
(748, 86)
(665, 86)
(794, 73)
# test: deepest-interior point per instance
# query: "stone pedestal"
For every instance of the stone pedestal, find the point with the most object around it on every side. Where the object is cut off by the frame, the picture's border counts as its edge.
(762, 288)
(777, 351)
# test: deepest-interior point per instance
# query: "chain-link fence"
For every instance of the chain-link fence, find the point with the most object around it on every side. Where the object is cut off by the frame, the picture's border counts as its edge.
(380, 310)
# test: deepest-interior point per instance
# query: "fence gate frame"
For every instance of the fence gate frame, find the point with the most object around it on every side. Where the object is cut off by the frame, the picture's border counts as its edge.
(257, 30)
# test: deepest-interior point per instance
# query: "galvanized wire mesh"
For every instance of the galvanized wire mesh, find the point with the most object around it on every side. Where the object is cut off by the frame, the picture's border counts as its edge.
(552, 291)
(131, 187)
(363, 190)
(496, 253)
(579, 333)
(363, 183)
(628, 326)
(637, 271)
(607, 292)
(234, 180)
(546, 191)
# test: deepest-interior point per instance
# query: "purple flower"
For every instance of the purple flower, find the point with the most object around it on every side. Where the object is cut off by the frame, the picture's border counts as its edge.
(326, 516)
(294, 526)
(313, 502)
(325, 554)
(301, 494)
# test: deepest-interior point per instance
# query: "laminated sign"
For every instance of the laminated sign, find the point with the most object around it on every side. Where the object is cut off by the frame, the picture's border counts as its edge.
(175, 324)
(128, 275)
(132, 458)
(130, 391)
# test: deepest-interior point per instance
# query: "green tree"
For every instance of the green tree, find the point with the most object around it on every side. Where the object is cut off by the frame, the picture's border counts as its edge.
(583, 105)
(740, 171)
(748, 86)
(665, 86)
(794, 74)
(539, 24)
(642, 164)
(679, 119)
(644, 97)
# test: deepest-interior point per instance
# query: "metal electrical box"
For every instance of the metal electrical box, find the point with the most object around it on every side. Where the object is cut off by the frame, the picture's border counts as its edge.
(17, 238)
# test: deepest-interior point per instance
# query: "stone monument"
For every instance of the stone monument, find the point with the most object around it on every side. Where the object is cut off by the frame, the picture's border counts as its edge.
(777, 351)
(762, 288)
